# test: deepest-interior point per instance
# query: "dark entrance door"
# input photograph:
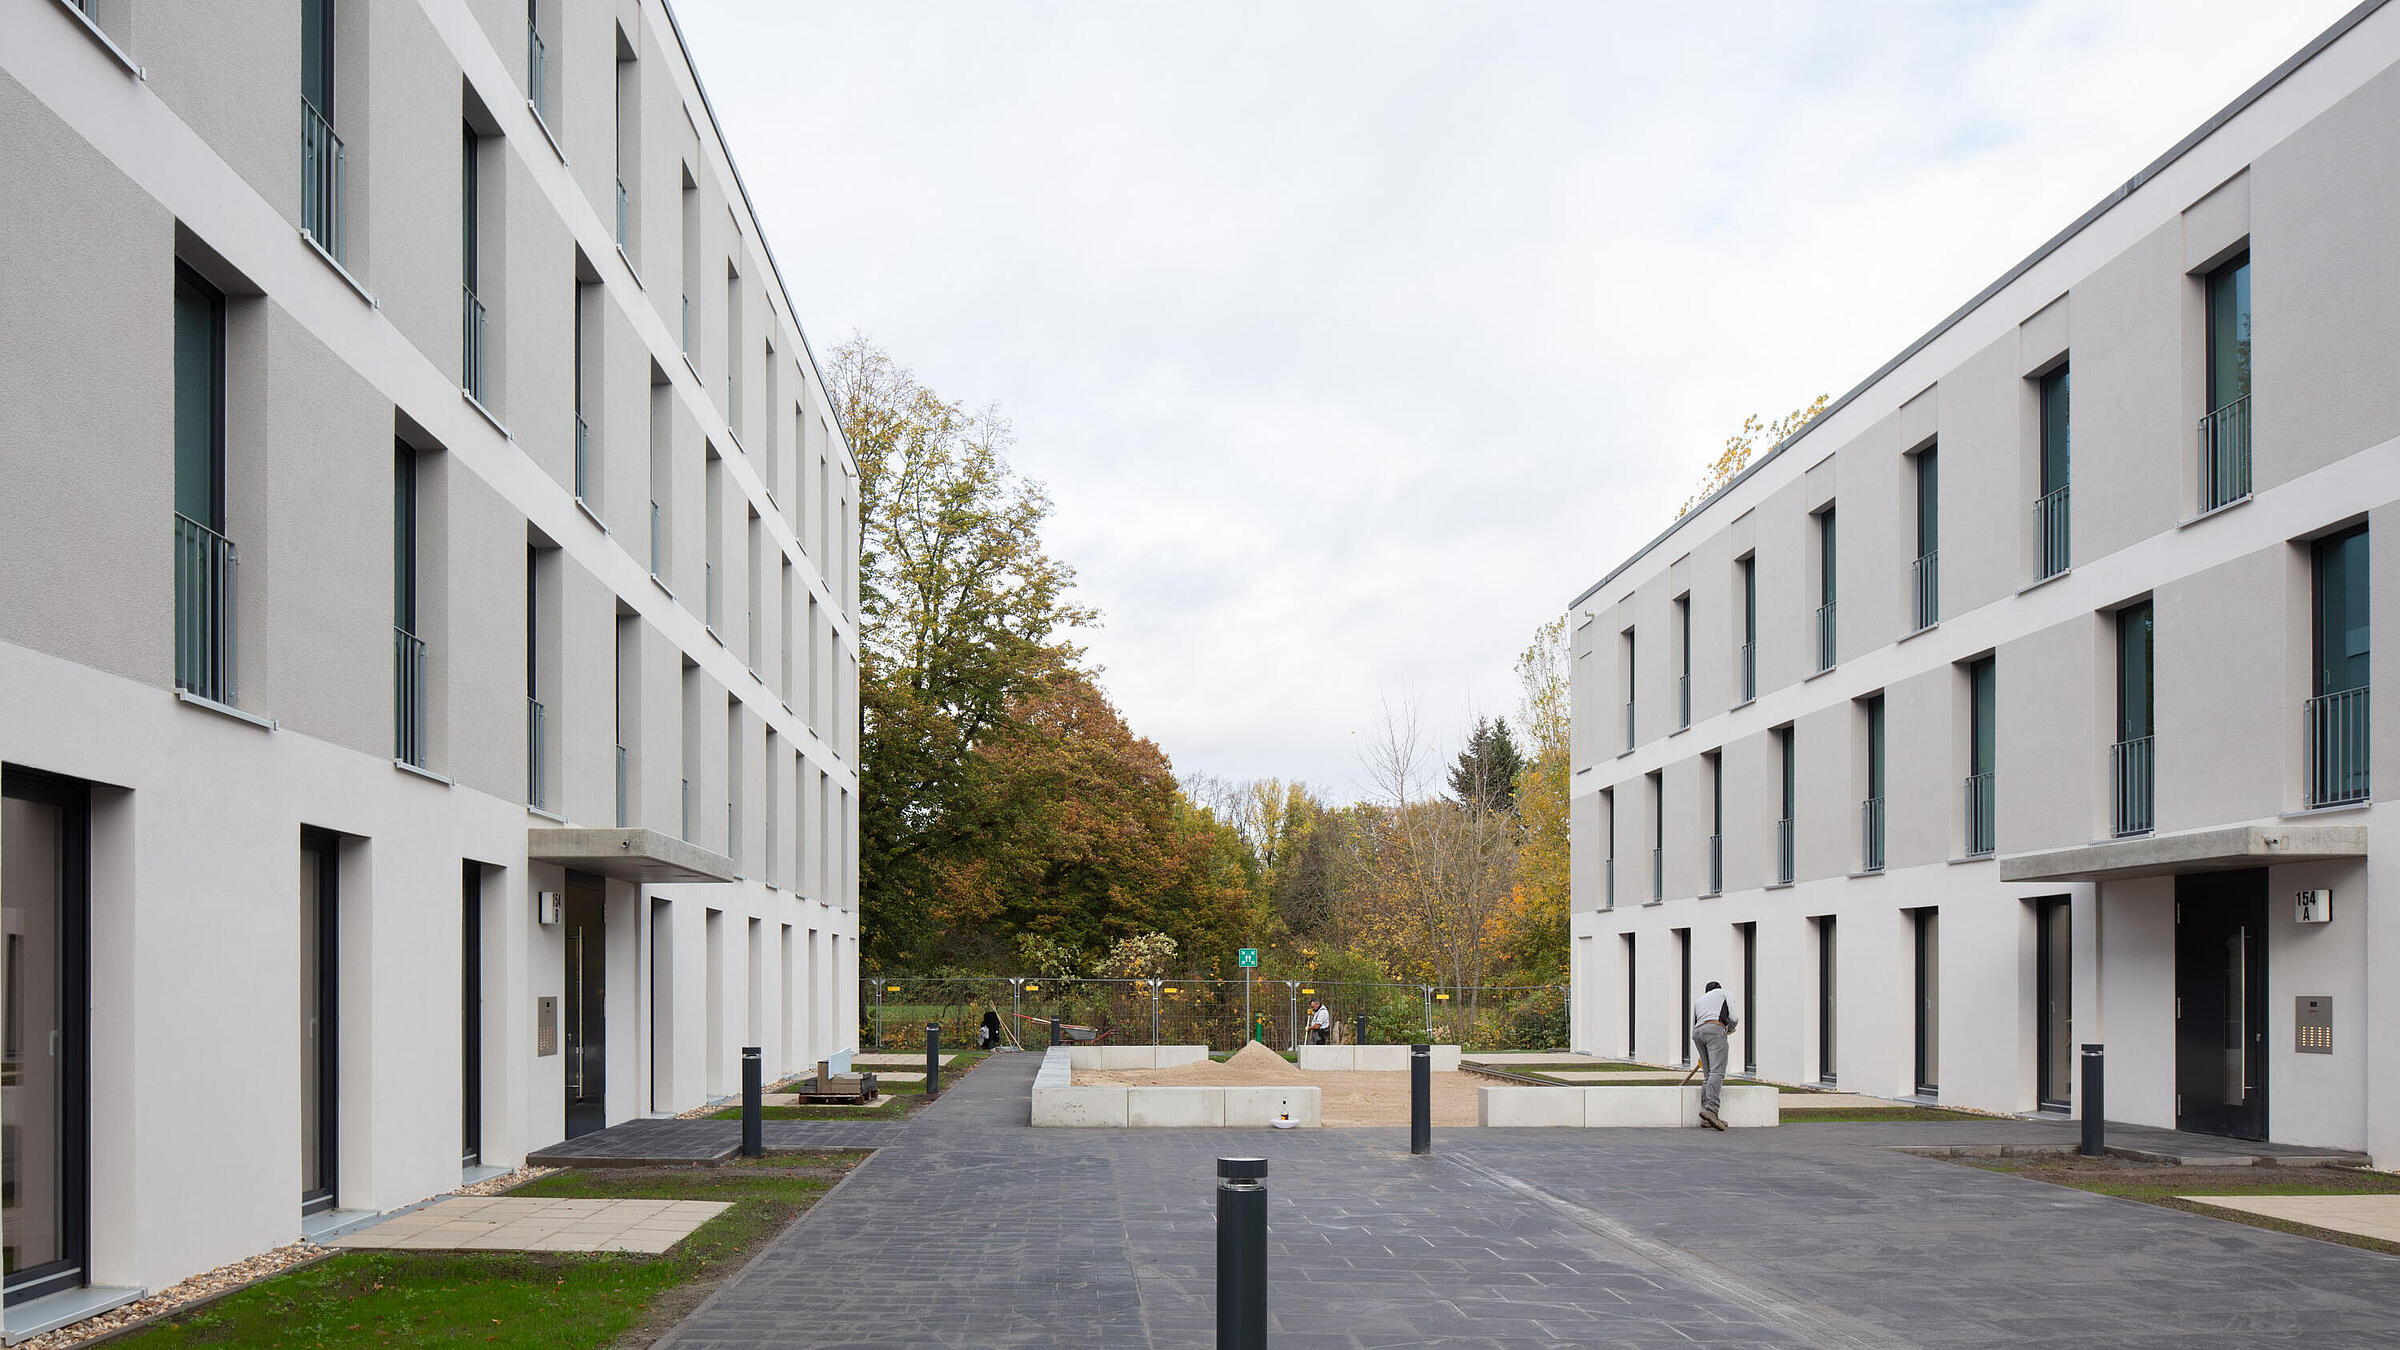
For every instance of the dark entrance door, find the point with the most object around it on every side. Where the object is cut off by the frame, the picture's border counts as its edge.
(470, 1016)
(2221, 1003)
(586, 1004)
(45, 1081)
(320, 1018)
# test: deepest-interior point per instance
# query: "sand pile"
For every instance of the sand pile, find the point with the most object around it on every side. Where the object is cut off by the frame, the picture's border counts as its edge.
(1254, 1065)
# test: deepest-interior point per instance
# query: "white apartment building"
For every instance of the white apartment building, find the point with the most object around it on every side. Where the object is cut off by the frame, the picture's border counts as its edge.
(1976, 722)
(428, 652)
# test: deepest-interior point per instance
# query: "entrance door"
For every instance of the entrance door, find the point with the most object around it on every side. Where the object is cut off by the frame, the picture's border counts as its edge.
(586, 1005)
(470, 1016)
(1929, 1002)
(45, 1177)
(320, 1030)
(2054, 966)
(2221, 1003)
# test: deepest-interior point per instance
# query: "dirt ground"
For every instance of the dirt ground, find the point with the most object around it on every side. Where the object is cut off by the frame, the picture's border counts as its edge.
(1348, 1099)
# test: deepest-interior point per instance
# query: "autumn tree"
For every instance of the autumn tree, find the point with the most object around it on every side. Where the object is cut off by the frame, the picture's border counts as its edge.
(1534, 923)
(1742, 444)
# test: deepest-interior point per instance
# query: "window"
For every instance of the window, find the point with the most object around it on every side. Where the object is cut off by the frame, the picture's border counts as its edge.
(628, 104)
(408, 647)
(1925, 576)
(2132, 759)
(2050, 530)
(536, 789)
(1825, 589)
(1784, 868)
(321, 153)
(1632, 999)
(1630, 669)
(2336, 721)
(1929, 1002)
(1871, 811)
(1716, 821)
(2225, 429)
(1658, 835)
(583, 431)
(1982, 756)
(1683, 1010)
(1608, 862)
(1827, 968)
(2054, 985)
(1683, 678)
(537, 62)
(204, 557)
(473, 324)
(1748, 567)
(1747, 934)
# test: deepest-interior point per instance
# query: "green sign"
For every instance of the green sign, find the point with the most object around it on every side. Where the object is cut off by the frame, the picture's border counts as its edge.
(1249, 957)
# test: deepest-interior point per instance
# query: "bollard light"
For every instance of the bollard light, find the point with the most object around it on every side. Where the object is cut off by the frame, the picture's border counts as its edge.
(2095, 1104)
(1241, 1254)
(933, 1060)
(753, 1093)
(1420, 1099)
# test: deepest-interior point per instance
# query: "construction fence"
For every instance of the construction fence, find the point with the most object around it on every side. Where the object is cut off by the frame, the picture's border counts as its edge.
(893, 1012)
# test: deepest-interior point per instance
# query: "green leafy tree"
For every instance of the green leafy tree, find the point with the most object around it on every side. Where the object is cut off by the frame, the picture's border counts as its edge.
(1485, 775)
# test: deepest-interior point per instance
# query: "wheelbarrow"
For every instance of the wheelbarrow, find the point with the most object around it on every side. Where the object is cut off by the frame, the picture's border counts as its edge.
(1079, 1035)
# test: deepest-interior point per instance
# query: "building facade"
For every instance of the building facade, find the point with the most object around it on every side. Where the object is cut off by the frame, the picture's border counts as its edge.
(2021, 700)
(429, 672)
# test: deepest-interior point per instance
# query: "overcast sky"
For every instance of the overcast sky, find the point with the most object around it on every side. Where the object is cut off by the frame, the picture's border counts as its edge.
(1353, 340)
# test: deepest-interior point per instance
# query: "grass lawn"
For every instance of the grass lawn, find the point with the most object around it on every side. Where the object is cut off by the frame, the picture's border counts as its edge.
(899, 1099)
(2165, 1185)
(1859, 1115)
(555, 1301)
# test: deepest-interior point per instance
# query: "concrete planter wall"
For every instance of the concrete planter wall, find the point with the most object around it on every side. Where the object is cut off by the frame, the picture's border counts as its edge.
(1373, 1058)
(1134, 1056)
(1655, 1106)
(1058, 1102)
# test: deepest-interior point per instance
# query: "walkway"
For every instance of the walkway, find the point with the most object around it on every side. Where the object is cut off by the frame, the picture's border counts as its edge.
(969, 1229)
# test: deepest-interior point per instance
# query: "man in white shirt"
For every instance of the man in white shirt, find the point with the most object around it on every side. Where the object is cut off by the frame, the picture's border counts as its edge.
(1712, 1022)
(1320, 1023)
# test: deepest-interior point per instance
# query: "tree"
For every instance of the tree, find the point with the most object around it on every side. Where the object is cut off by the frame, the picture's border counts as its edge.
(1486, 772)
(1740, 445)
(1534, 925)
(1445, 863)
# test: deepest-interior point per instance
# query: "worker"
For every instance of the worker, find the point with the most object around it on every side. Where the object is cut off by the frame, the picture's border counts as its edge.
(988, 1035)
(1320, 1023)
(1712, 1022)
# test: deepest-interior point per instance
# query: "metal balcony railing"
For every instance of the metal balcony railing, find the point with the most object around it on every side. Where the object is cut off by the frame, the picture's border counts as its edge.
(204, 611)
(322, 169)
(408, 697)
(1658, 874)
(2335, 727)
(537, 788)
(1608, 883)
(1683, 700)
(1784, 869)
(2051, 534)
(2225, 455)
(624, 787)
(1925, 584)
(2133, 782)
(472, 321)
(1981, 816)
(1716, 864)
(1749, 671)
(537, 71)
(1870, 835)
(1825, 636)
(621, 201)
(657, 563)
(1629, 724)
(583, 451)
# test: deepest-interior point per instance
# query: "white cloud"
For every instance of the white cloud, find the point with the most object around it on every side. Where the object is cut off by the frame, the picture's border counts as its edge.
(1353, 339)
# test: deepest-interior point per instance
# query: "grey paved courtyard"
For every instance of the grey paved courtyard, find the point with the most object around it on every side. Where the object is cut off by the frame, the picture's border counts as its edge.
(970, 1229)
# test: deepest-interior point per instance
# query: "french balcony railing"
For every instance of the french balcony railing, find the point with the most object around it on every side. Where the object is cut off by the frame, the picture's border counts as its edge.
(1716, 864)
(1784, 869)
(624, 789)
(204, 611)
(2050, 530)
(2225, 455)
(1658, 874)
(1870, 835)
(472, 340)
(583, 458)
(1629, 724)
(1825, 636)
(1683, 700)
(2335, 726)
(537, 71)
(1608, 883)
(322, 169)
(1981, 816)
(1749, 671)
(537, 788)
(657, 558)
(621, 204)
(1925, 585)
(408, 697)
(2132, 786)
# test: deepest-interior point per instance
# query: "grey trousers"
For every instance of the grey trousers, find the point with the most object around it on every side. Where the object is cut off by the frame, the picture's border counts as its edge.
(1710, 1038)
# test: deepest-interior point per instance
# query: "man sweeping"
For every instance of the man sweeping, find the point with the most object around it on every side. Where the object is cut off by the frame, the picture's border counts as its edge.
(1712, 1022)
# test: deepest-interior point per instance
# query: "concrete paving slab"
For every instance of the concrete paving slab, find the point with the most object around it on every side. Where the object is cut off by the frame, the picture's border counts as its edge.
(2375, 1216)
(532, 1224)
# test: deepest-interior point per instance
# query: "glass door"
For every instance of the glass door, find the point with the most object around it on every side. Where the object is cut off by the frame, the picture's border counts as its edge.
(45, 1181)
(1929, 1002)
(2221, 1001)
(320, 1037)
(585, 1024)
(2053, 995)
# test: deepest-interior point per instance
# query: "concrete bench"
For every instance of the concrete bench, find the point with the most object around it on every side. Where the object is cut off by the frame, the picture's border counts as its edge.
(1631, 1107)
(1372, 1058)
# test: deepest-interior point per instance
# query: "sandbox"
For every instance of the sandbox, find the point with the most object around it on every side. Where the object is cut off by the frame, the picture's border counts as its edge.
(1252, 1088)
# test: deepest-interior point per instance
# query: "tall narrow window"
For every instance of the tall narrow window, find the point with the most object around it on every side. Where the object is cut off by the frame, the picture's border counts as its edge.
(2225, 429)
(2054, 986)
(536, 728)
(471, 366)
(733, 351)
(320, 1019)
(1683, 674)
(1608, 863)
(1982, 756)
(1749, 575)
(2336, 722)
(204, 557)
(691, 254)
(321, 154)
(1683, 1011)
(470, 1015)
(1925, 574)
(1825, 589)
(1716, 821)
(1871, 811)
(1785, 844)
(1748, 933)
(1929, 1002)
(1828, 1027)
(628, 104)
(583, 429)
(1633, 1001)
(1630, 670)
(408, 645)
(2050, 518)
(537, 61)
(2133, 758)
(1658, 836)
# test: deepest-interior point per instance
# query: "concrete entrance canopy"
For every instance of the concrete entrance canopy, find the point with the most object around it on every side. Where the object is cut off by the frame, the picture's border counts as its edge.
(2213, 850)
(627, 855)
